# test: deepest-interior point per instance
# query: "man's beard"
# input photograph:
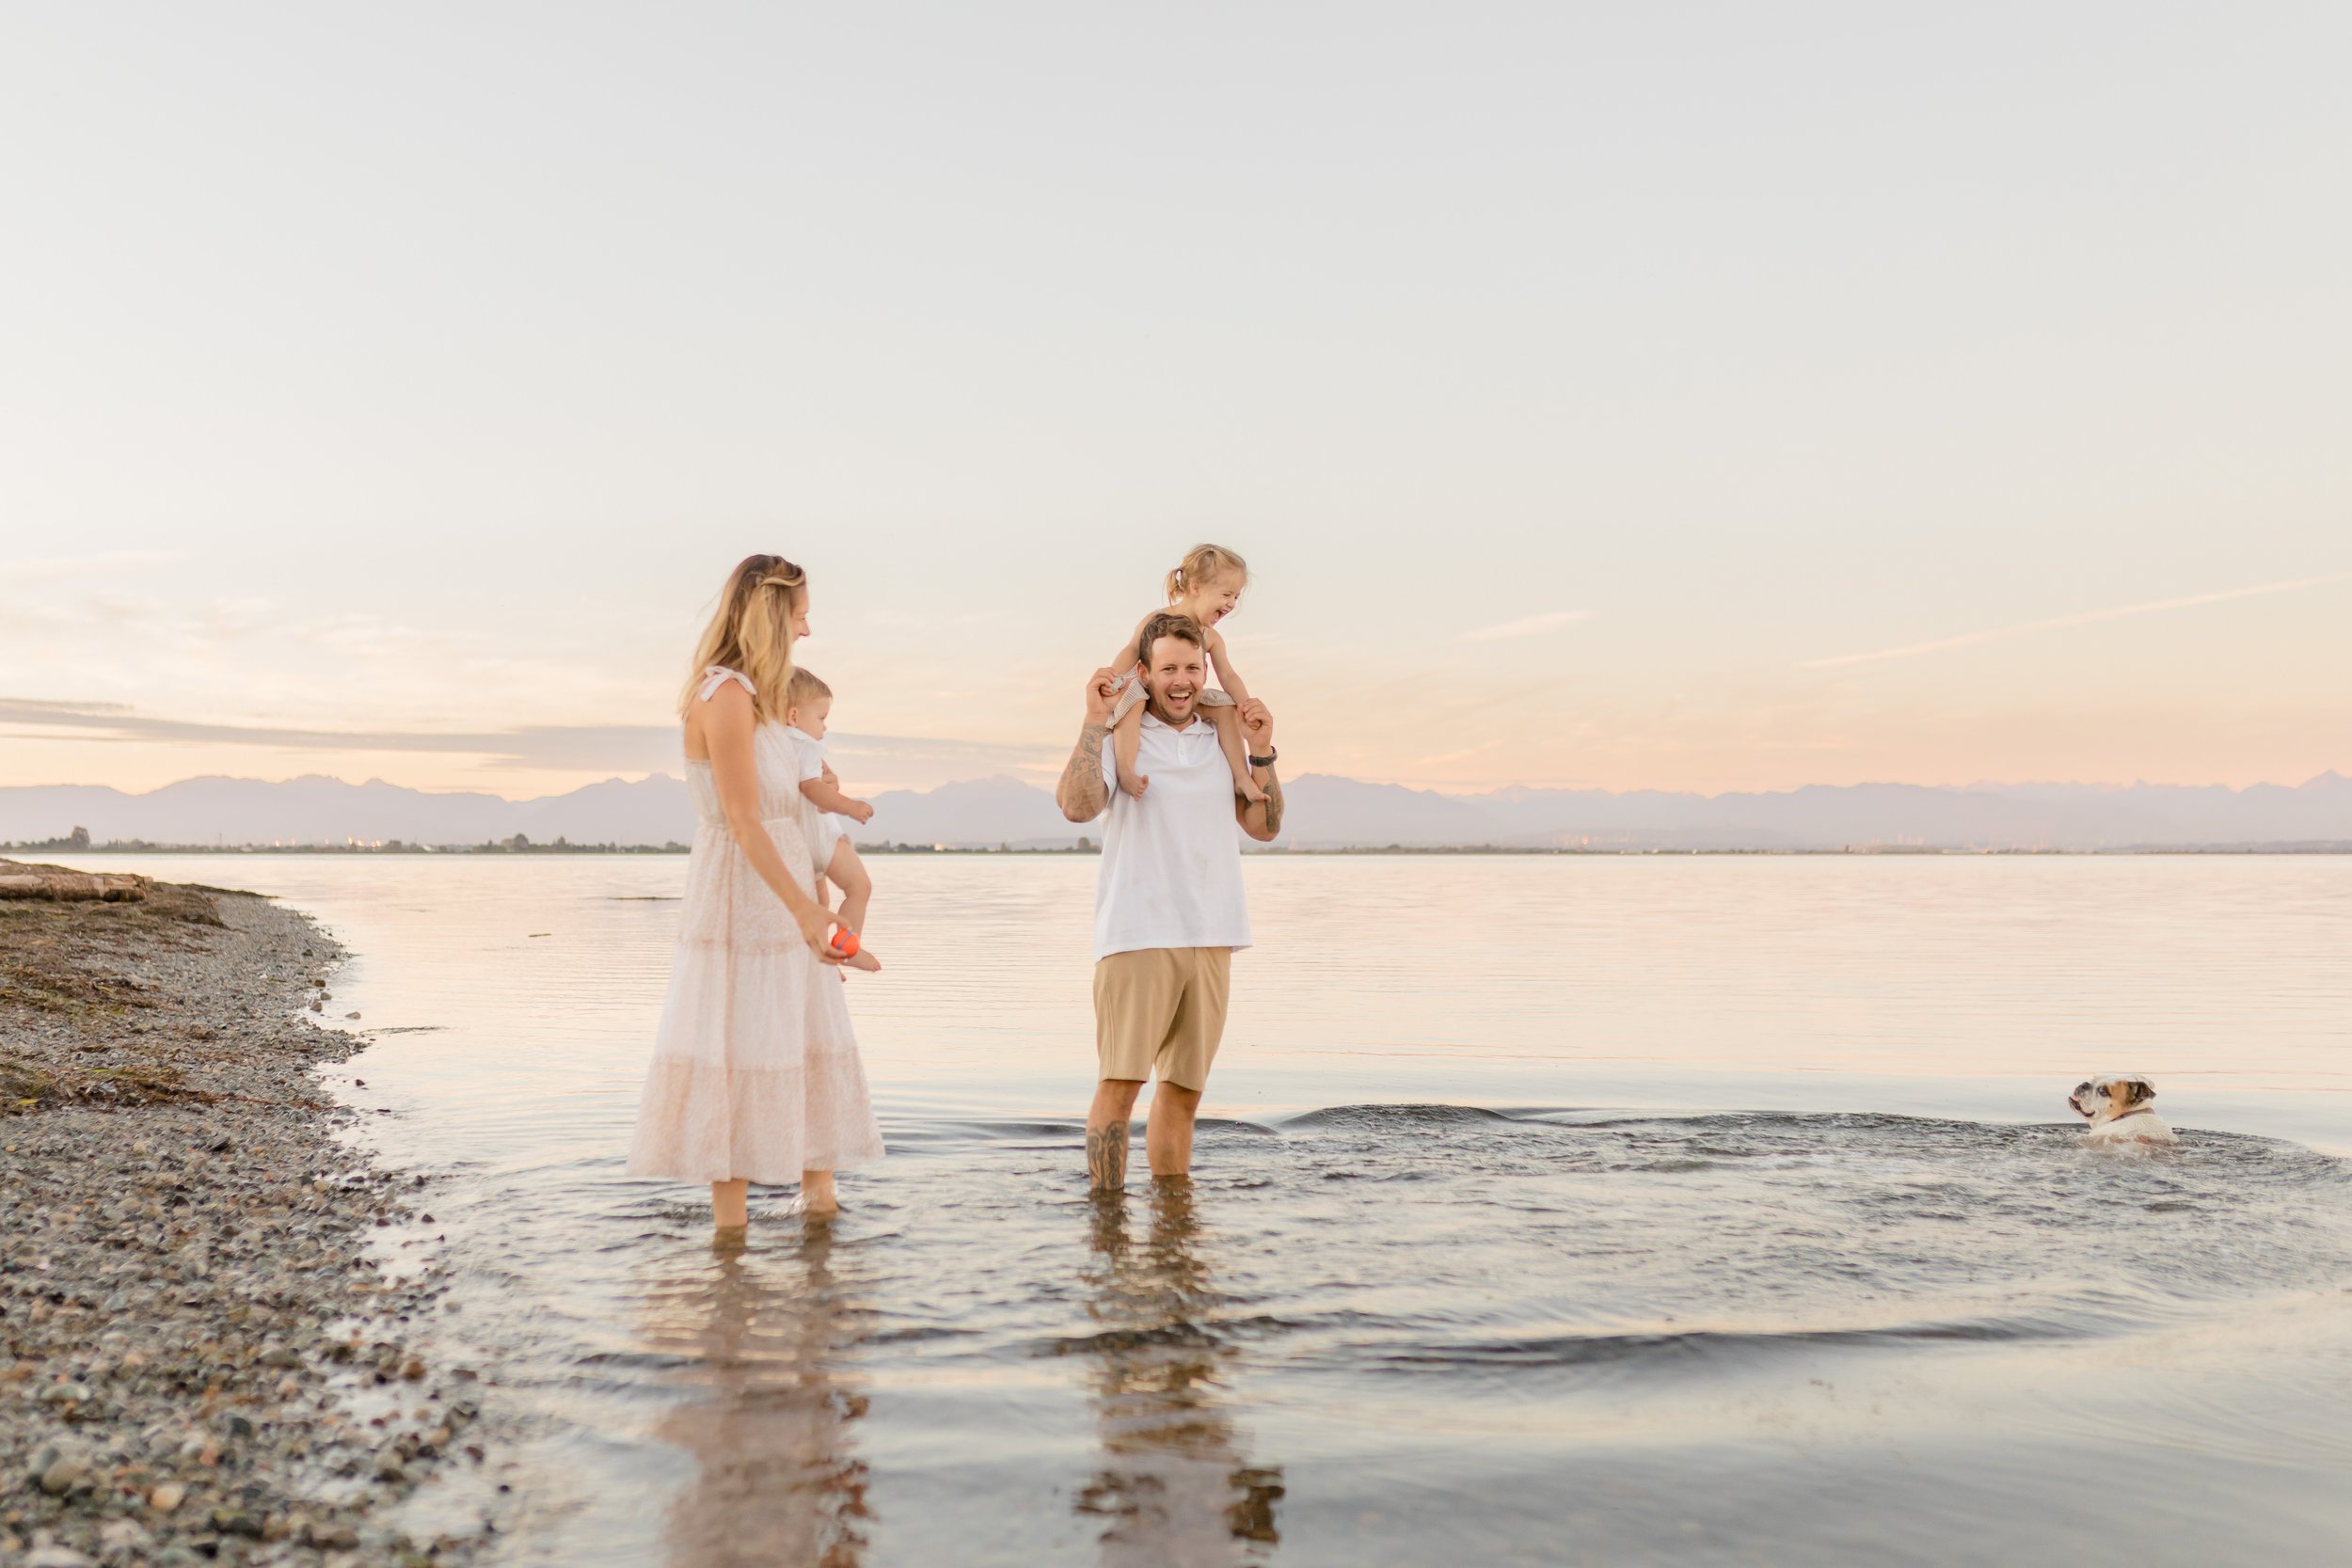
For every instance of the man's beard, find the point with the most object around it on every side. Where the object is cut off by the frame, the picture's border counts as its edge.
(1168, 705)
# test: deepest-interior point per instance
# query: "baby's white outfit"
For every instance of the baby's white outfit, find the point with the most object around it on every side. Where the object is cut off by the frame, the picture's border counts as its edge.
(825, 828)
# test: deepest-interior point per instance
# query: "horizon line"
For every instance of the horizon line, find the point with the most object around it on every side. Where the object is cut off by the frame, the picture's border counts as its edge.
(1471, 792)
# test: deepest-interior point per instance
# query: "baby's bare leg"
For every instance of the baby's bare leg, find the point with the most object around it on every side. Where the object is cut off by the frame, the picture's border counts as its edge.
(1227, 718)
(849, 873)
(1127, 742)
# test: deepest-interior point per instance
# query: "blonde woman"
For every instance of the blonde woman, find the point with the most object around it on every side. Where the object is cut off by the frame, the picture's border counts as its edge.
(756, 1073)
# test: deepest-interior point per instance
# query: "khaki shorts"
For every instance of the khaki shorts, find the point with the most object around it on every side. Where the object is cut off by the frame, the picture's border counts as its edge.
(1160, 1009)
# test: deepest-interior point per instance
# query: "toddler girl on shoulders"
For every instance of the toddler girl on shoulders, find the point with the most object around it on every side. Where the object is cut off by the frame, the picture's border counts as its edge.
(1207, 587)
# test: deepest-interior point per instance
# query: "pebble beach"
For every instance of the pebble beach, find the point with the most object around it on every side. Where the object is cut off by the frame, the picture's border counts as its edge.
(204, 1356)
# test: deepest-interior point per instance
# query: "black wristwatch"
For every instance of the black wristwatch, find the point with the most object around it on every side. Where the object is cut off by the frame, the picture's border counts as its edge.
(1266, 761)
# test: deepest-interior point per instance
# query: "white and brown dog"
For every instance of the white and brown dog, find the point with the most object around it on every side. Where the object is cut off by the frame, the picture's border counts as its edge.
(2116, 1104)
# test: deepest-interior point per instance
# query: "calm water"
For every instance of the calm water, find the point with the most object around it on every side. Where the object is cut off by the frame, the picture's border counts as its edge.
(1609, 1210)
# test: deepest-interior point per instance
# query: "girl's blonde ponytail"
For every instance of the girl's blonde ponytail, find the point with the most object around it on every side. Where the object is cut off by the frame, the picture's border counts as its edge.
(1205, 564)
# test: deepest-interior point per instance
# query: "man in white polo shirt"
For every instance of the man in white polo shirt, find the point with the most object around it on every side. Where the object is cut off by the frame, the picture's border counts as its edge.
(1168, 900)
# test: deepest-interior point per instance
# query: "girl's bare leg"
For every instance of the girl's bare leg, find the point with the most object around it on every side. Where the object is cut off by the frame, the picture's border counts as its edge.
(848, 873)
(1126, 741)
(730, 1205)
(1227, 718)
(818, 1198)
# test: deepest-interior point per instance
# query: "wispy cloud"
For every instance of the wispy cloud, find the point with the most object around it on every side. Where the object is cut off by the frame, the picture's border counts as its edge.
(2087, 617)
(54, 568)
(1528, 626)
(588, 748)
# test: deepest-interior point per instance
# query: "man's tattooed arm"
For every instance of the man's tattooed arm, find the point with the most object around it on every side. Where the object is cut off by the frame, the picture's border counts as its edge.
(1083, 793)
(1106, 1156)
(1262, 821)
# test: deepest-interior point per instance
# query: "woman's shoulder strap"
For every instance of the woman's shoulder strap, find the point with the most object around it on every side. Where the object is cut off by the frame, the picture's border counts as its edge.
(717, 675)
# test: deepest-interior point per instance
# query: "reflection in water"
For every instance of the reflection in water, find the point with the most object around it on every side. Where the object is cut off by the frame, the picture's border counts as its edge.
(1175, 1486)
(779, 1482)
(1956, 1321)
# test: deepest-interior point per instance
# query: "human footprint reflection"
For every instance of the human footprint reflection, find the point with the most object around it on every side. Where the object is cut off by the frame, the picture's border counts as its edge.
(1175, 1486)
(779, 1479)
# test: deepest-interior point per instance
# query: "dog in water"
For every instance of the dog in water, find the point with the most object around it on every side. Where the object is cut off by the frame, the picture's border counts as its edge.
(2116, 1104)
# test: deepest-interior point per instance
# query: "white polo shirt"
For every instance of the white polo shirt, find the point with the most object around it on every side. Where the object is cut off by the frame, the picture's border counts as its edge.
(1172, 862)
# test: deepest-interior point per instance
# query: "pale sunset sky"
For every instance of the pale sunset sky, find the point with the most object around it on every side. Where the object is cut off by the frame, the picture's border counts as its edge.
(1690, 397)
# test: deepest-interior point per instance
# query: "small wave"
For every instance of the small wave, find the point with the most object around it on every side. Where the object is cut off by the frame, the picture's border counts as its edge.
(638, 1360)
(917, 1336)
(992, 1130)
(1381, 1116)
(1176, 1336)
(1671, 1345)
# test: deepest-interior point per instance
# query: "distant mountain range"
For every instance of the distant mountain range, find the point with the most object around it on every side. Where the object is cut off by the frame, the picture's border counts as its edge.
(1324, 812)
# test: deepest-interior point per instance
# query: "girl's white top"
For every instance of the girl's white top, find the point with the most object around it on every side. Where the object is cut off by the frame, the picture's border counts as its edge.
(1172, 862)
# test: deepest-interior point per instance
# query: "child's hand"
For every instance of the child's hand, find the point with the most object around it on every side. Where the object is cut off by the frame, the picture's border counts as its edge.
(1102, 695)
(1257, 725)
(861, 811)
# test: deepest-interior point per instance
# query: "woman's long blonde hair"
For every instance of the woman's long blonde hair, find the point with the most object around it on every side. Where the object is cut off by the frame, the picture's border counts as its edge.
(1205, 564)
(751, 633)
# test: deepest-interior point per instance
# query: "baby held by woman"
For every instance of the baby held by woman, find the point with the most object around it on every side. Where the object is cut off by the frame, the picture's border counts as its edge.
(808, 706)
(1207, 587)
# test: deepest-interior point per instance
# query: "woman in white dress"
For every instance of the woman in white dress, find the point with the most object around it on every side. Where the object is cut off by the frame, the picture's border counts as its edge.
(756, 1073)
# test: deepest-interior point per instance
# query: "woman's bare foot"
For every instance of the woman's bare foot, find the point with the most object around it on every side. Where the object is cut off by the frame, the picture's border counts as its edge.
(818, 1200)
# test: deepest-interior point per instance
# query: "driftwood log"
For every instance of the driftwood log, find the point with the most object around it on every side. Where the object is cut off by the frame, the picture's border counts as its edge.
(57, 884)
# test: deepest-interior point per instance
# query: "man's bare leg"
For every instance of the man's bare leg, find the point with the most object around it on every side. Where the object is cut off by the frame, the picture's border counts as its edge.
(1106, 1133)
(1168, 1133)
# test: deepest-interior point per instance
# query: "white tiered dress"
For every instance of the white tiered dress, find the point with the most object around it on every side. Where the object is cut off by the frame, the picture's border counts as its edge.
(756, 1073)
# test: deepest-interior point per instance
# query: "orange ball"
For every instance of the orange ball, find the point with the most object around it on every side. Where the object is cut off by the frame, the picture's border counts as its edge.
(844, 942)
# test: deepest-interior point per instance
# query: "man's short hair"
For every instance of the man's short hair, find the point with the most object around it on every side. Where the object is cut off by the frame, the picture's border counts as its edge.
(1167, 623)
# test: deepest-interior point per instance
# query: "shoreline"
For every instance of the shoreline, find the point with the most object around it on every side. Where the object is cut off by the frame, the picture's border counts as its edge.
(201, 1359)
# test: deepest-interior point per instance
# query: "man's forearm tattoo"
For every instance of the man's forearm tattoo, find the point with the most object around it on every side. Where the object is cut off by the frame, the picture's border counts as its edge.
(1086, 758)
(1082, 782)
(1106, 1156)
(1273, 787)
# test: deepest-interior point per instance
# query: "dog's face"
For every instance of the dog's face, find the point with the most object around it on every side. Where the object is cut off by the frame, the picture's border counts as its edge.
(2110, 1095)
